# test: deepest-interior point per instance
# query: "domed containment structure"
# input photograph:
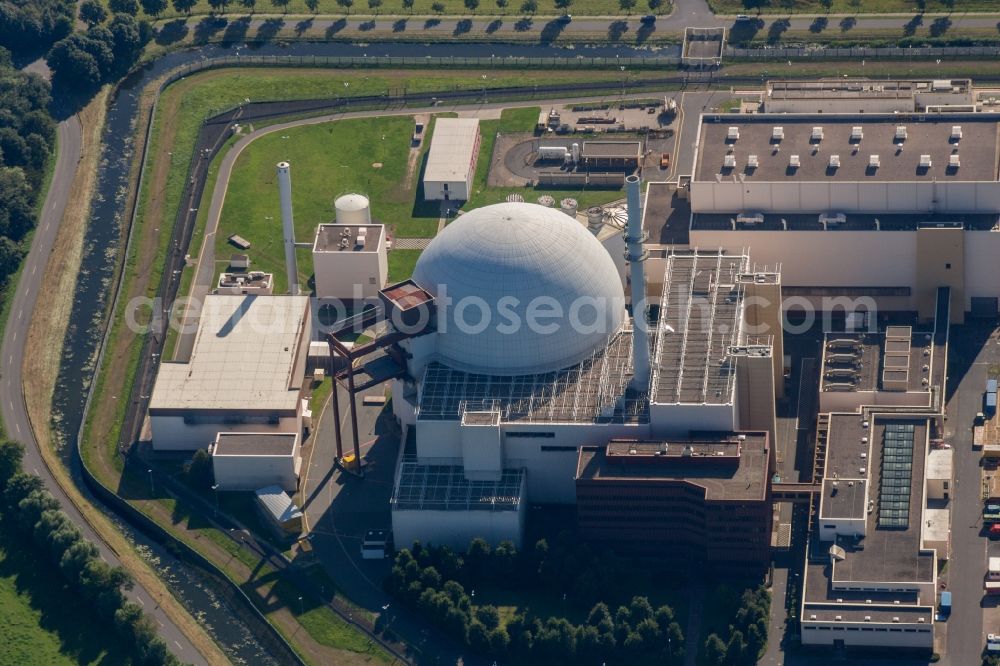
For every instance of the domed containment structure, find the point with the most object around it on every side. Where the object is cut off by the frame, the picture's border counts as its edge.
(353, 209)
(524, 289)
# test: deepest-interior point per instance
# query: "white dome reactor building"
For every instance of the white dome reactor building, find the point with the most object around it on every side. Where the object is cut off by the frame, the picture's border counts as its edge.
(526, 354)
(520, 289)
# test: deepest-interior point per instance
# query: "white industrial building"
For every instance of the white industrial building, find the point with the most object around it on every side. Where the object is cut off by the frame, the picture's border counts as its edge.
(878, 206)
(501, 410)
(451, 161)
(350, 261)
(867, 96)
(252, 460)
(245, 373)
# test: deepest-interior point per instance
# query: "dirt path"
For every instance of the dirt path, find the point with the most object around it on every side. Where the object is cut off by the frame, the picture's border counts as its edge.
(413, 162)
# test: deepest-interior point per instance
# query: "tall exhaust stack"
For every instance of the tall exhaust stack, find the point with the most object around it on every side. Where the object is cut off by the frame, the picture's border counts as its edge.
(288, 226)
(636, 254)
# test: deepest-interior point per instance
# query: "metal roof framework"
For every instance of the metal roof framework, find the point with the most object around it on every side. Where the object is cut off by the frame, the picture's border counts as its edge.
(445, 488)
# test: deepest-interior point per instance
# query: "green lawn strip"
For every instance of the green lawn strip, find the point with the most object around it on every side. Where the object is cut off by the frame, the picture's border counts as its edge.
(320, 393)
(851, 6)
(402, 263)
(43, 623)
(425, 7)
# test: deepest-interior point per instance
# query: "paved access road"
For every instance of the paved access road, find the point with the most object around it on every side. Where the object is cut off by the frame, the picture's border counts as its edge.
(12, 406)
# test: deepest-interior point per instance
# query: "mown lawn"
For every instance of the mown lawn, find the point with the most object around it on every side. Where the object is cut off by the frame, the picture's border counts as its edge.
(423, 7)
(41, 622)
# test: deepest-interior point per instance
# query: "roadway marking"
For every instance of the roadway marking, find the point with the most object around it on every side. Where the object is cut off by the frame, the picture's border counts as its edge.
(179, 646)
(139, 599)
(20, 314)
(18, 426)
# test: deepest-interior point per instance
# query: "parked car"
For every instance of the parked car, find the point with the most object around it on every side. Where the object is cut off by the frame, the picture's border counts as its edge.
(994, 531)
(665, 161)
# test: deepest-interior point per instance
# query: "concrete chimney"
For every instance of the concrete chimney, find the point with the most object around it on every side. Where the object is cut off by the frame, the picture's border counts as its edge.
(635, 254)
(288, 226)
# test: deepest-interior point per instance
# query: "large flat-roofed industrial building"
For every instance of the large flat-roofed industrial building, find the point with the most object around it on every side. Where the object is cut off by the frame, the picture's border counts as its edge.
(245, 373)
(879, 207)
(451, 161)
(698, 502)
(866, 95)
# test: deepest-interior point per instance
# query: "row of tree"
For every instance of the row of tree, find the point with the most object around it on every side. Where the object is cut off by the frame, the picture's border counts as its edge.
(27, 137)
(29, 509)
(30, 26)
(83, 61)
(746, 637)
(434, 581)
(92, 9)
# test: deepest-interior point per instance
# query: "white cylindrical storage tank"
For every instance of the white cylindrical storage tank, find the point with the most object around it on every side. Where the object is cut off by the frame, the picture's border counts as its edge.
(552, 153)
(575, 151)
(546, 200)
(569, 206)
(353, 209)
(595, 216)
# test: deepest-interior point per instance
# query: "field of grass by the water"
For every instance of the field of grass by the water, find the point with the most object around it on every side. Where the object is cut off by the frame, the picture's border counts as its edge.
(357, 155)
(41, 622)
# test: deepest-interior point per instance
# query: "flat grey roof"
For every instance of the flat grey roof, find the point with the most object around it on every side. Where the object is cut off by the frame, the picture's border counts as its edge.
(612, 149)
(331, 237)
(445, 488)
(255, 444)
(665, 216)
(453, 148)
(852, 88)
(899, 161)
(853, 222)
(872, 359)
(722, 480)
(844, 499)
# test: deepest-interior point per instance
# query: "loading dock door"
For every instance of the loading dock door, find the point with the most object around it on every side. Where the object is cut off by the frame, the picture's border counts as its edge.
(984, 307)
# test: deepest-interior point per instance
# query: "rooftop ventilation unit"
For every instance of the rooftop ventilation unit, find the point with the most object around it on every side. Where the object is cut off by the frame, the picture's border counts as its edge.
(954, 162)
(812, 617)
(856, 133)
(925, 161)
(895, 618)
(873, 162)
(817, 134)
(733, 134)
(752, 162)
(956, 132)
(834, 161)
(794, 162)
(838, 618)
(729, 161)
(778, 133)
(900, 132)
(832, 218)
(750, 218)
(868, 618)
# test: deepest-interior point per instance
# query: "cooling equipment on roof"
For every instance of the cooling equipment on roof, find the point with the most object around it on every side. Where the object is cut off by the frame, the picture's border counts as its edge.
(873, 162)
(778, 133)
(856, 133)
(817, 134)
(834, 161)
(729, 161)
(954, 162)
(900, 132)
(750, 218)
(752, 162)
(956, 132)
(832, 218)
(794, 162)
(733, 134)
(925, 162)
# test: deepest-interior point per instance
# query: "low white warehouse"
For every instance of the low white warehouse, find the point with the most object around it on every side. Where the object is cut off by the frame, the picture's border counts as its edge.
(451, 163)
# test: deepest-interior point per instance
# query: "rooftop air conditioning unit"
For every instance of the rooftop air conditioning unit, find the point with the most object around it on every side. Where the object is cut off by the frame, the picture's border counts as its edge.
(812, 617)
(868, 618)
(901, 132)
(729, 161)
(895, 619)
(956, 132)
(733, 134)
(838, 618)
(954, 162)
(873, 161)
(752, 162)
(920, 620)
(778, 133)
(925, 161)
(794, 162)
(832, 218)
(856, 133)
(750, 218)
(834, 161)
(817, 134)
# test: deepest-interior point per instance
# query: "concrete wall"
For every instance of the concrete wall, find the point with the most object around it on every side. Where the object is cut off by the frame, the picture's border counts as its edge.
(457, 528)
(982, 267)
(679, 420)
(457, 190)
(350, 275)
(941, 258)
(845, 197)
(842, 105)
(851, 401)
(170, 433)
(253, 472)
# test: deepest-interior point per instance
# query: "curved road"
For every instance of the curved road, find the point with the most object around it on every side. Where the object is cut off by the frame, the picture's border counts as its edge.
(12, 406)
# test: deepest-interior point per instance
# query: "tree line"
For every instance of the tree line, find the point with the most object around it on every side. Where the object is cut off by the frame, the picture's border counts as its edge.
(27, 137)
(29, 510)
(440, 584)
(745, 639)
(29, 25)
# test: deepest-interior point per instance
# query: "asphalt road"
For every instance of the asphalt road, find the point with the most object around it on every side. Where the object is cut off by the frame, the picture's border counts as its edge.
(12, 406)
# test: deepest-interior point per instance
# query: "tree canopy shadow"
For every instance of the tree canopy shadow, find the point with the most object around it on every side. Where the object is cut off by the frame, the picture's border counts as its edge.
(171, 32)
(462, 27)
(616, 30)
(819, 24)
(269, 28)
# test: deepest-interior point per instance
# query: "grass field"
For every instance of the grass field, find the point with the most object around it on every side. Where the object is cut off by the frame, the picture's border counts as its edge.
(424, 7)
(42, 622)
(850, 6)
